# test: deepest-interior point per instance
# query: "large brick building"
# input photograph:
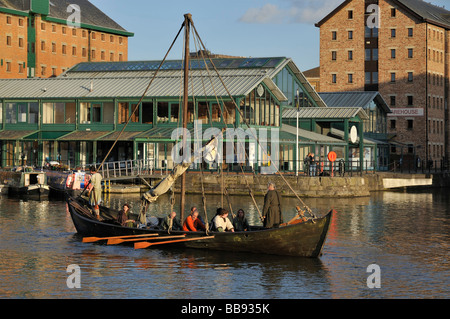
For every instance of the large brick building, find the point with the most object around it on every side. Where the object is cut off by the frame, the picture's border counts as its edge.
(37, 37)
(405, 56)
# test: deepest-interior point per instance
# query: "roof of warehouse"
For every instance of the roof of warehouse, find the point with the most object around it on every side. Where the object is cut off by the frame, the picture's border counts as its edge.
(164, 85)
(91, 15)
(353, 99)
(326, 113)
(130, 80)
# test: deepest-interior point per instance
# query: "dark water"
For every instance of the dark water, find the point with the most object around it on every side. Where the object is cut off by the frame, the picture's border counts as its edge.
(405, 234)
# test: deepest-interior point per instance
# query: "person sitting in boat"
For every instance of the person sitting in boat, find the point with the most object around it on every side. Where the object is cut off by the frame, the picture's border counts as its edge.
(240, 222)
(222, 223)
(122, 217)
(193, 223)
(171, 222)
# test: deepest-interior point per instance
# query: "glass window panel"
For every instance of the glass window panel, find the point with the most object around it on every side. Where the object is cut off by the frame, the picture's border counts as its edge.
(11, 113)
(33, 115)
(191, 112)
(375, 32)
(59, 113)
(163, 112)
(374, 54)
(203, 112)
(229, 114)
(135, 116)
(71, 110)
(289, 87)
(23, 110)
(123, 112)
(174, 112)
(85, 114)
(108, 113)
(47, 109)
(147, 113)
(216, 114)
(374, 77)
(367, 78)
(96, 110)
(368, 54)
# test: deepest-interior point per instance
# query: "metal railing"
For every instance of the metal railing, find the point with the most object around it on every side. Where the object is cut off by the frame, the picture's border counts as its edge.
(340, 168)
(319, 168)
(420, 167)
(125, 169)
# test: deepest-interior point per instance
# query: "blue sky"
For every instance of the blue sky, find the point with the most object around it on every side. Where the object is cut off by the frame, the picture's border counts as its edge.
(233, 27)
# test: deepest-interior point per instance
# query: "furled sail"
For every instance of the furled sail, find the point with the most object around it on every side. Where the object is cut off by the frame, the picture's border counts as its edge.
(209, 153)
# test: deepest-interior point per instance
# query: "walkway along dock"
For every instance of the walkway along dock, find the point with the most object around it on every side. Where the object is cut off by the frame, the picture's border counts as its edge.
(320, 186)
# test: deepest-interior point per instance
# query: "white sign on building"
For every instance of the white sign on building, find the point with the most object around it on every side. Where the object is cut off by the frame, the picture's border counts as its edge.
(407, 112)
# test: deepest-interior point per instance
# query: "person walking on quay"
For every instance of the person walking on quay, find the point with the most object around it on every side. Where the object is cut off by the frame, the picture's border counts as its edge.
(95, 191)
(312, 165)
(272, 207)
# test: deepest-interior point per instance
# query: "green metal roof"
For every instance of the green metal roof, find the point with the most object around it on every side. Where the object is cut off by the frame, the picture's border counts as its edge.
(43, 135)
(12, 135)
(325, 113)
(286, 134)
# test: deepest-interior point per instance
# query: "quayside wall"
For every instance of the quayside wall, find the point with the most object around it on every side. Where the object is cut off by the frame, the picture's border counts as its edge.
(303, 186)
(310, 187)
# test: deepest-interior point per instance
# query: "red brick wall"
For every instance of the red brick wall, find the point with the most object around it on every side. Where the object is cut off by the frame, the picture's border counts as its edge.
(342, 66)
(428, 69)
(107, 47)
(11, 54)
(76, 43)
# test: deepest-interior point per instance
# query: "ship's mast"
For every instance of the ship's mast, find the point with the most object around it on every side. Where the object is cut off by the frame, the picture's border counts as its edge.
(187, 30)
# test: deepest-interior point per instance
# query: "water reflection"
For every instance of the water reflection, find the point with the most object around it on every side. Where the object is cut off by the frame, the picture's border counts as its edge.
(406, 234)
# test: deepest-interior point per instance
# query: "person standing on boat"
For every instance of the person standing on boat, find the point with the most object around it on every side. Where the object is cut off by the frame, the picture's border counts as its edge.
(272, 207)
(95, 191)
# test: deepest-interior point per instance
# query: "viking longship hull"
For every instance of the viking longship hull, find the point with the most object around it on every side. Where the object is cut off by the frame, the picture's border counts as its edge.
(304, 239)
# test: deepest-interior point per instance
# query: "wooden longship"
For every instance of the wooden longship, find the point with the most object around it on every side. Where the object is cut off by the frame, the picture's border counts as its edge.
(304, 239)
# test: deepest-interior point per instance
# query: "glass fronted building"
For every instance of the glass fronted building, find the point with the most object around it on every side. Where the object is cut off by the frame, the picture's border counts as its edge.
(75, 118)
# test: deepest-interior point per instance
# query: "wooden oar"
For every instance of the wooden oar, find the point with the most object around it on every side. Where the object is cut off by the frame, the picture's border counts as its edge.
(299, 218)
(147, 244)
(94, 239)
(115, 241)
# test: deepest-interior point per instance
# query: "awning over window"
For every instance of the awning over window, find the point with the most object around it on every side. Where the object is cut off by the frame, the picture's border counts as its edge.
(45, 136)
(83, 136)
(125, 136)
(10, 135)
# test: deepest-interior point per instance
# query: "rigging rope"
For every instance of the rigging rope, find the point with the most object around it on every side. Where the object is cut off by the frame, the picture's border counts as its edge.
(246, 123)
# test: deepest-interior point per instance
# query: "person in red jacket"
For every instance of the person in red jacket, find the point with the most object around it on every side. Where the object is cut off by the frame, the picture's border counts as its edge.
(193, 223)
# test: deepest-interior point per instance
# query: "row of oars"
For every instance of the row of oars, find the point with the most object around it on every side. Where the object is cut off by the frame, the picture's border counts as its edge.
(144, 240)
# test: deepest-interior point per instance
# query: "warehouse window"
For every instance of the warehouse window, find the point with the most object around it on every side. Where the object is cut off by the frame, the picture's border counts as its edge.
(59, 113)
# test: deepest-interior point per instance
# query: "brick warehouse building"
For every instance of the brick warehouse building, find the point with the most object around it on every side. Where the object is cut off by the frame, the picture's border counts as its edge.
(37, 41)
(406, 59)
